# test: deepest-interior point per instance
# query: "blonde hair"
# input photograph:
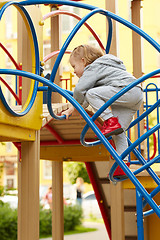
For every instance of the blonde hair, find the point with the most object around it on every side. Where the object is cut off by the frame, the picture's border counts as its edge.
(89, 53)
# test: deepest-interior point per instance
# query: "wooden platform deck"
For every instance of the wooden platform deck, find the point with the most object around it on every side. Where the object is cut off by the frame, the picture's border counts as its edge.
(66, 129)
(60, 139)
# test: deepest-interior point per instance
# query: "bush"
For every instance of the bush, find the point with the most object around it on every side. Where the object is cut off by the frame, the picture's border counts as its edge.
(45, 222)
(1, 190)
(8, 222)
(72, 217)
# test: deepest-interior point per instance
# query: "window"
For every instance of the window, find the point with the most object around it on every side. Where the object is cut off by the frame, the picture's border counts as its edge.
(9, 168)
(9, 101)
(47, 169)
(68, 22)
(92, 41)
(10, 176)
(10, 183)
(8, 22)
(46, 51)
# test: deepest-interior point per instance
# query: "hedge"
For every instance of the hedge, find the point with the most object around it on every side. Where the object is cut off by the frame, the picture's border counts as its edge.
(8, 221)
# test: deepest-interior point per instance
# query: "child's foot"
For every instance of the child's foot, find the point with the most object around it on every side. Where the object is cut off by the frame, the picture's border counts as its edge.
(111, 127)
(119, 173)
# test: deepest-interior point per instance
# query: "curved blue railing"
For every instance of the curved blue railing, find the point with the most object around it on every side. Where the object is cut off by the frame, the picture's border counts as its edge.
(61, 53)
(143, 197)
(37, 60)
(93, 126)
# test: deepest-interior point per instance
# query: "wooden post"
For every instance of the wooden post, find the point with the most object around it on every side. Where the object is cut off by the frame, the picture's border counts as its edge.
(116, 191)
(57, 167)
(28, 191)
(57, 201)
(137, 54)
(117, 211)
(28, 171)
(136, 39)
(111, 6)
(56, 45)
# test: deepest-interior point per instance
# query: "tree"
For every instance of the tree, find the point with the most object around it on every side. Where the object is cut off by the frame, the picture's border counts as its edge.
(76, 169)
(1, 187)
(1, 171)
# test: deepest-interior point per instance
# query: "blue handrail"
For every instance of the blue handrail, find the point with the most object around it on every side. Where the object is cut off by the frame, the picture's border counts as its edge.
(61, 53)
(105, 12)
(50, 86)
(37, 61)
(89, 121)
(113, 99)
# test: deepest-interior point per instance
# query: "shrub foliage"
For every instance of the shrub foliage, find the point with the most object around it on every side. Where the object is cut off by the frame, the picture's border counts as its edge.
(72, 217)
(8, 221)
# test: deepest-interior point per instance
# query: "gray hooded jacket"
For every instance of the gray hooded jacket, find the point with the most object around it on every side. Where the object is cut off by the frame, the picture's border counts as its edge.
(107, 70)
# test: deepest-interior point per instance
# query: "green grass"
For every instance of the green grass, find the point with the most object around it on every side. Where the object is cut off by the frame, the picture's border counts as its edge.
(78, 229)
(82, 229)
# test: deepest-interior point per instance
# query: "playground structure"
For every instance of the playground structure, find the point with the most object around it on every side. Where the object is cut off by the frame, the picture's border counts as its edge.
(24, 126)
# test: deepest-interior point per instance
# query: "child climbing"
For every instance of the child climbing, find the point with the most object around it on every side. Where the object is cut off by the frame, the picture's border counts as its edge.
(101, 76)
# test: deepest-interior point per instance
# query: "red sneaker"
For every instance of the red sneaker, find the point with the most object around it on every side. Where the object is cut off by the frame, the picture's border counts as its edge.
(111, 127)
(119, 173)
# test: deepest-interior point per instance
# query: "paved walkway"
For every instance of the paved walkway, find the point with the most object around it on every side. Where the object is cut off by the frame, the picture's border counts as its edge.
(99, 234)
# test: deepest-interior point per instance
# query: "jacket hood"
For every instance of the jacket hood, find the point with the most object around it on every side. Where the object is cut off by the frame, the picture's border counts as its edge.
(111, 60)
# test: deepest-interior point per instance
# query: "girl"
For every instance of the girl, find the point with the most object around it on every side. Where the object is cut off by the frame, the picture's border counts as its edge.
(101, 76)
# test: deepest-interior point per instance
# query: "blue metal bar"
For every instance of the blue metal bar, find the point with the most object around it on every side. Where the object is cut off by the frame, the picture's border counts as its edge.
(68, 40)
(65, 94)
(111, 172)
(140, 228)
(37, 60)
(139, 140)
(135, 162)
(113, 99)
(143, 115)
(89, 121)
(143, 161)
(147, 165)
(147, 119)
(61, 53)
(107, 13)
(44, 89)
(138, 125)
(143, 193)
(148, 213)
(51, 87)
(147, 126)
(136, 29)
(128, 134)
(149, 105)
(158, 120)
(110, 31)
(155, 191)
(152, 194)
(151, 89)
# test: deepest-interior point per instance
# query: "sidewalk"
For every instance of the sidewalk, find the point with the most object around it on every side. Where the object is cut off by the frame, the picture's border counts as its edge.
(99, 234)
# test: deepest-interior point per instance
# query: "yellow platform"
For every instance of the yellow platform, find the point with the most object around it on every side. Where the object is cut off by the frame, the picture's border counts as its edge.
(20, 128)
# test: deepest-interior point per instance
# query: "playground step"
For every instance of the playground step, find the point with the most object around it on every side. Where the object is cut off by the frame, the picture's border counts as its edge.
(67, 130)
(130, 219)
